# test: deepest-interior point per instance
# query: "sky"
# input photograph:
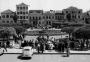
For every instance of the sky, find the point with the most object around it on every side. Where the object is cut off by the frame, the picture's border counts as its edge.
(45, 4)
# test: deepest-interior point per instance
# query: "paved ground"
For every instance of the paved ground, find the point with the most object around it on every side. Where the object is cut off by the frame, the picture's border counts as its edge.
(45, 58)
(46, 51)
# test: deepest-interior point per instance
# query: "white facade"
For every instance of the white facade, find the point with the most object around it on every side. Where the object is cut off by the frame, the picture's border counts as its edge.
(22, 13)
(7, 17)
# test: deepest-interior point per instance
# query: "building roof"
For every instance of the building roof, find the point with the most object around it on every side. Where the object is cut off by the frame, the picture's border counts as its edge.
(22, 4)
(7, 11)
(72, 8)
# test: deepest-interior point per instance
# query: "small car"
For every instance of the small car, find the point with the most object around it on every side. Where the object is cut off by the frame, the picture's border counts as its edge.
(27, 51)
(1, 51)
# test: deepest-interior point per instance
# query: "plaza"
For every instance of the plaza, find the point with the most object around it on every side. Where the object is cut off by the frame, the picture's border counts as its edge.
(45, 58)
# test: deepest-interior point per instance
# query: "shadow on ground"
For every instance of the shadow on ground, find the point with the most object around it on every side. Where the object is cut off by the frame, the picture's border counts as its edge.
(24, 58)
(65, 55)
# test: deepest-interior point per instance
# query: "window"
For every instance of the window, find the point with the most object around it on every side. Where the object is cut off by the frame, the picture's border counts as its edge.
(49, 17)
(78, 16)
(20, 17)
(26, 12)
(49, 22)
(7, 21)
(23, 17)
(39, 22)
(24, 8)
(20, 8)
(17, 7)
(66, 11)
(30, 18)
(79, 11)
(33, 18)
(46, 17)
(20, 12)
(7, 16)
(3, 16)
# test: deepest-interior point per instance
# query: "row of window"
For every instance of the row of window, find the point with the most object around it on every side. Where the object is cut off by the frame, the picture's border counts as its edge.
(22, 17)
(22, 13)
(22, 8)
(34, 18)
(46, 17)
(38, 18)
(73, 12)
(59, 17)
(7, 21)
(7, 16)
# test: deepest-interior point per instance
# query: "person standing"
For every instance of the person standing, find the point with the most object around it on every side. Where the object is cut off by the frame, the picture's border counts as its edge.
(5, 46)
(42, 47)
(67, 48)
(38, 48)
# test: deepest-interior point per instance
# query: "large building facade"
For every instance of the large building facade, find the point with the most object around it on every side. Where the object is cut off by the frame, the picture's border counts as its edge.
(73, 14)
(35, 16)
(22, 13)
(40, 18)
(7, 17)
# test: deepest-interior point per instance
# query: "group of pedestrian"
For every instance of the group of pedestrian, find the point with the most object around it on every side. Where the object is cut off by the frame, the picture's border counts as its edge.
(27, 43)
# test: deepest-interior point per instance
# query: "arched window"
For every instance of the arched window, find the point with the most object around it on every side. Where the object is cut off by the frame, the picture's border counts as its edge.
(21, 12)
(20, 8)
(33, 18)
(7, 16)
(3, 16)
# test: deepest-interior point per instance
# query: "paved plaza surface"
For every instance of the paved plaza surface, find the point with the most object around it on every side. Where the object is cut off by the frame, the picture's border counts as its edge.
(13, 50)
(45, 58)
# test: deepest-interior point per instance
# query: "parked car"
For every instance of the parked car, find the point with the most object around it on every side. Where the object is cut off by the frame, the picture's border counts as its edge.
(27, 51)
(1, 51)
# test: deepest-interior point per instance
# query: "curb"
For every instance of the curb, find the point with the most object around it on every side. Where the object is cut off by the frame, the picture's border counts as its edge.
(54, 53)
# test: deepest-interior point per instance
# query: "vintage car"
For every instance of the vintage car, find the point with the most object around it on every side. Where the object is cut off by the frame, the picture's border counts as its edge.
(27, 51)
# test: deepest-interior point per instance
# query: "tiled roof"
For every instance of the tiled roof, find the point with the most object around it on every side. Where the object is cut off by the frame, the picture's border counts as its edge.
(22, 4)
(7, 11)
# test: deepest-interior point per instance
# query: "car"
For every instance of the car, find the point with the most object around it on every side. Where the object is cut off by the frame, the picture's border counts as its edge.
(27, 51)
(1, 51)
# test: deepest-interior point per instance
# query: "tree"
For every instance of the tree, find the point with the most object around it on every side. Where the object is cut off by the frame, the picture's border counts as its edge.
(68, 30)
(19, 29)
(83, 33)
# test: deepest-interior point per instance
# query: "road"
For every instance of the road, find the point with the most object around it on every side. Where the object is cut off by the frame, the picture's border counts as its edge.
(45, 58)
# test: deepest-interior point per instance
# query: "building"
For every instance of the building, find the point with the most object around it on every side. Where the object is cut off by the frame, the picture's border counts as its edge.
(49, 17)
(72, 14)
(7, 17)
(59, 15)
(22, 13)
(35, 16)
(86, 17)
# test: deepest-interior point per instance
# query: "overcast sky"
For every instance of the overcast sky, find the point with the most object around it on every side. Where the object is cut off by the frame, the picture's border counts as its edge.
(45, 4)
